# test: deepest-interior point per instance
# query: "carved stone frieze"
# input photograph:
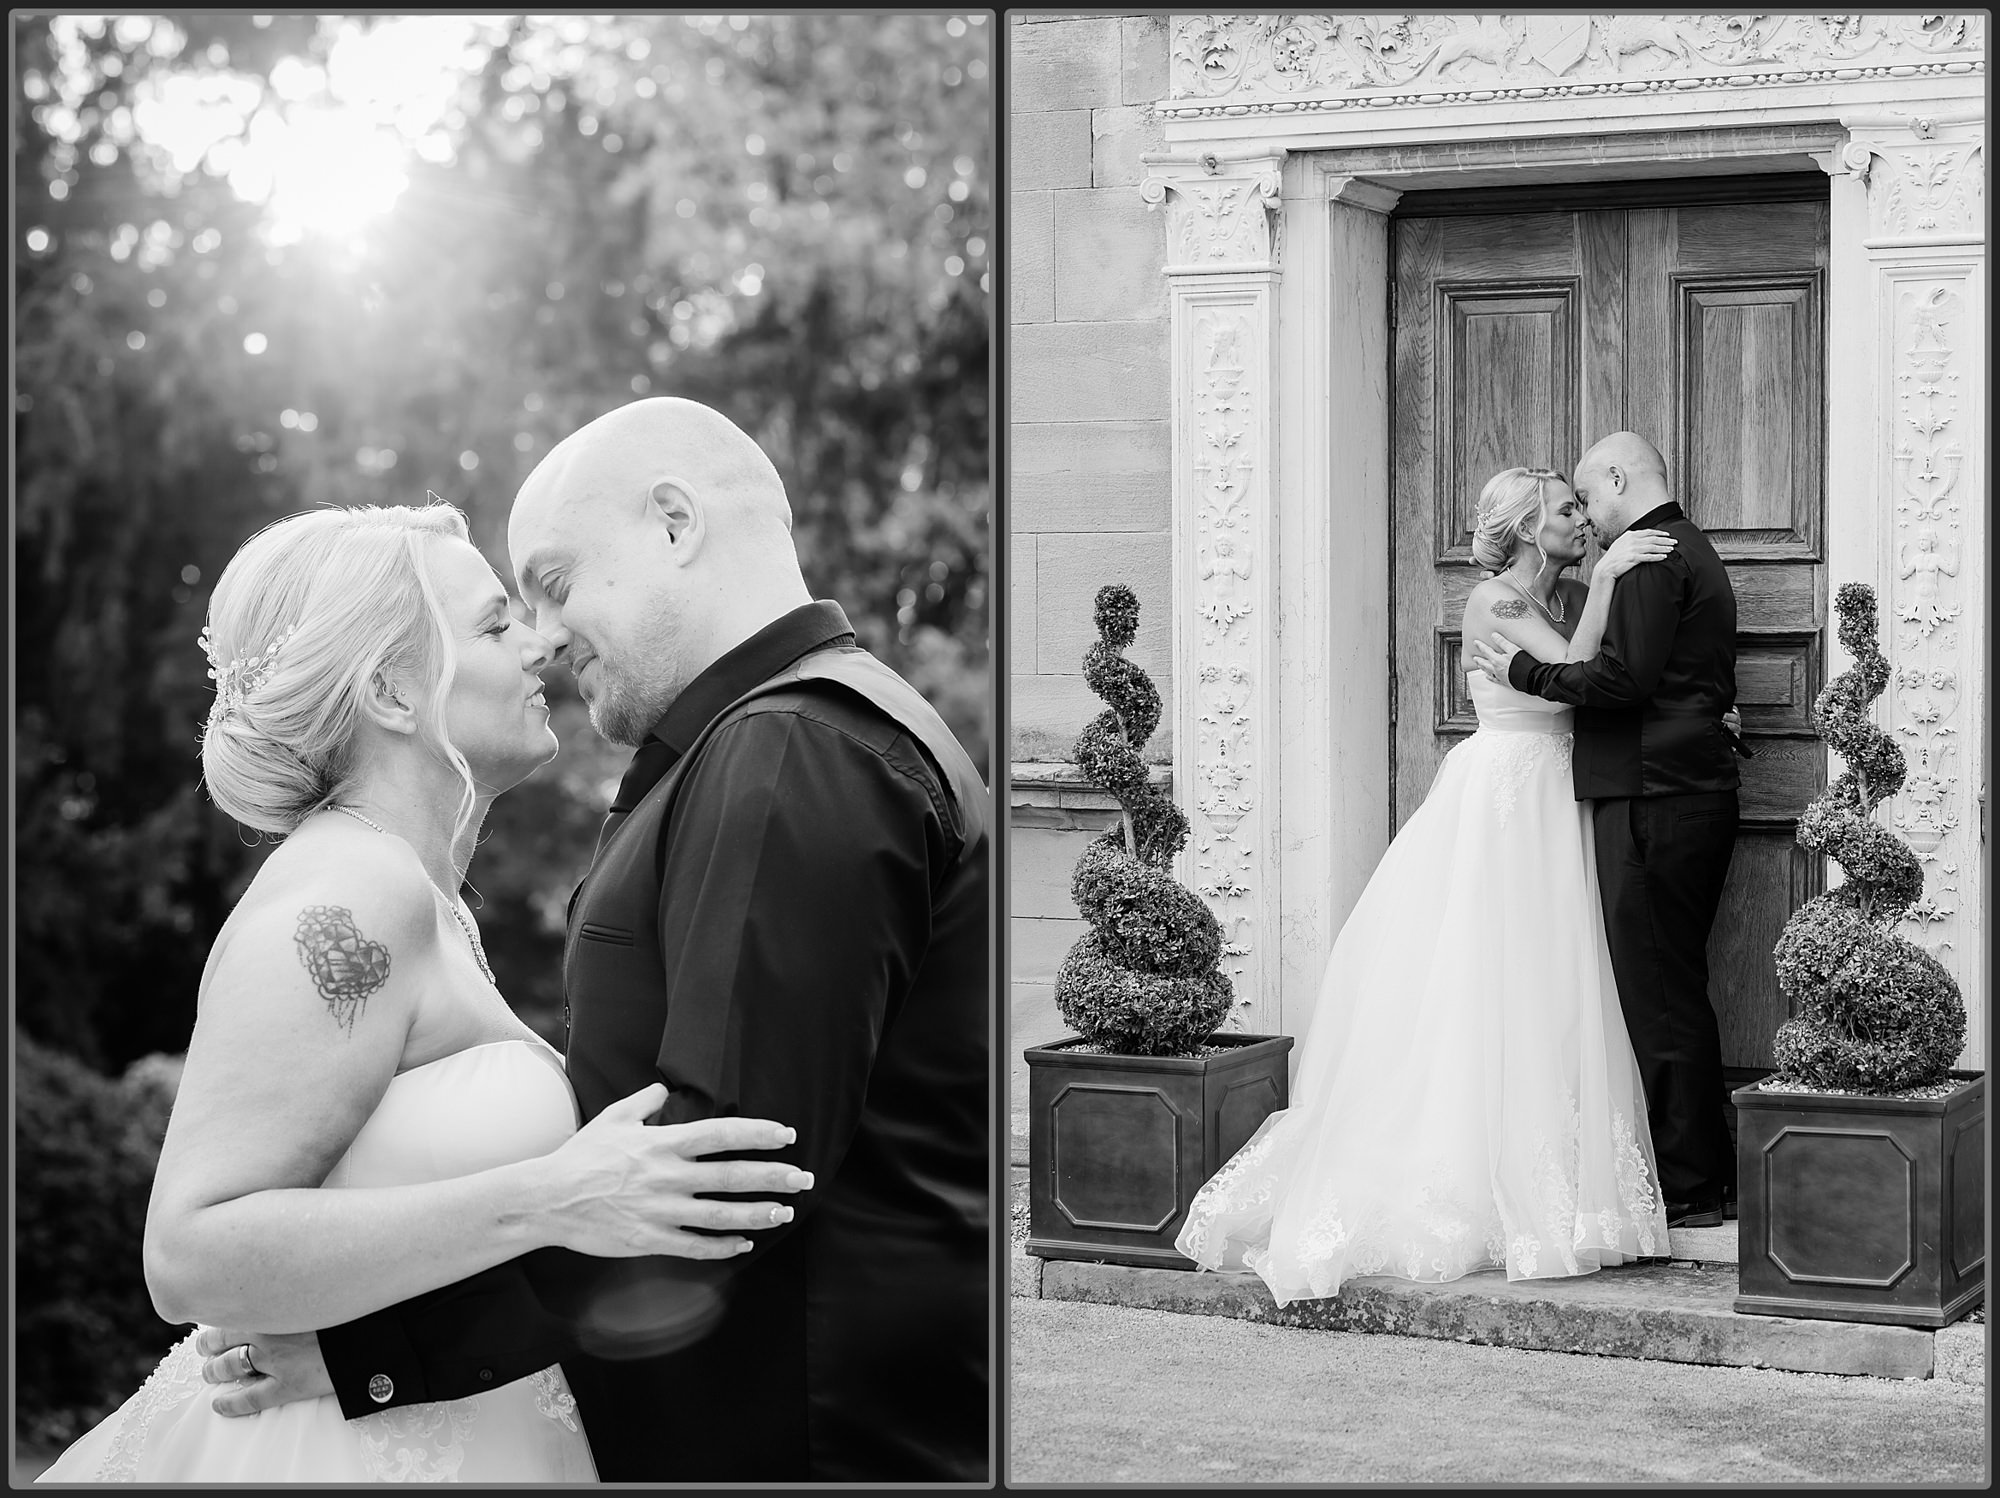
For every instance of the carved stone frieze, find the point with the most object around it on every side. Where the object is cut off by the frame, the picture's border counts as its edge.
(1926, 613)
(1219, 213)
(1237, 64)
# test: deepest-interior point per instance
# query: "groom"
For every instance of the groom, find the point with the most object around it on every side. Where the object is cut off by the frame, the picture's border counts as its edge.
(1653, 752)
(786, 918)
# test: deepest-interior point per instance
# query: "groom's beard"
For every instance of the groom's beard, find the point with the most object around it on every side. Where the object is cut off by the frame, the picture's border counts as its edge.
(625, 715)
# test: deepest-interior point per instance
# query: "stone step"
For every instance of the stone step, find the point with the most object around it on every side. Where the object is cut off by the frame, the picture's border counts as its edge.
(1679, 1312)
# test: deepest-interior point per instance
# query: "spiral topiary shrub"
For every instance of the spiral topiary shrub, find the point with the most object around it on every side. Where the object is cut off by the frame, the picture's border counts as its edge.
(1144, 980)
(1875, 1013)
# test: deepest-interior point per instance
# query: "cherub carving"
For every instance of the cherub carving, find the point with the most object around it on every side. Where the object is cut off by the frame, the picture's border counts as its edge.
(1924, 563)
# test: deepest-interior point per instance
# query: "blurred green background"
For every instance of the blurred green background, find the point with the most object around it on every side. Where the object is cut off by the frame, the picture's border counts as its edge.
(270, 262)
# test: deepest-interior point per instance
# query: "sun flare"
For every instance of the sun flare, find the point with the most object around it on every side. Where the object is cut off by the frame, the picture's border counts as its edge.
(333, 152)
(328, 170)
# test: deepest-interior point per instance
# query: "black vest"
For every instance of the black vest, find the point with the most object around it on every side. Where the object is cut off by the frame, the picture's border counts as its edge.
(613, 970)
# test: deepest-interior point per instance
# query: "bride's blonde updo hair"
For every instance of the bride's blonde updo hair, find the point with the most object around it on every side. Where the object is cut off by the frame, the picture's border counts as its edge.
(1510, 496)
(306, 615)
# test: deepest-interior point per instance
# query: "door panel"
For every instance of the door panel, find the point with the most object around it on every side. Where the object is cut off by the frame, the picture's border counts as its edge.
(1529, 334)
(1520, 338)
(1486, 371)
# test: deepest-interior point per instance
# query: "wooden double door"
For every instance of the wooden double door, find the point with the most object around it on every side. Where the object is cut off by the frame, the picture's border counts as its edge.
(1522, 336)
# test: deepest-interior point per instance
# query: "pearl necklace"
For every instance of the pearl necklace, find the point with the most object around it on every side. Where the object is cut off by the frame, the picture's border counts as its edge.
(471, 931)
(1556, 594)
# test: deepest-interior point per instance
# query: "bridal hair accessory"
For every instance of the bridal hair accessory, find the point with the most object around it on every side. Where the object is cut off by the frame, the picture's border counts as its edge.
(239, 678)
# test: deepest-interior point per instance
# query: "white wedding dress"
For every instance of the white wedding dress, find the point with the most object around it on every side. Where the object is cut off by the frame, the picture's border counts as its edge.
(490, 1105)
(1466, 1094)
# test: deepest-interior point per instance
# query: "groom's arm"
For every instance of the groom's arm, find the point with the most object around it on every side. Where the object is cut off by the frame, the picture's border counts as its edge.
(795, 908)
(463, 1339)
(1638, 637)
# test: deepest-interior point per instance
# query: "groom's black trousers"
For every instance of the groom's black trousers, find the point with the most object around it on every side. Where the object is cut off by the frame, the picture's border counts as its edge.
(1661, 862)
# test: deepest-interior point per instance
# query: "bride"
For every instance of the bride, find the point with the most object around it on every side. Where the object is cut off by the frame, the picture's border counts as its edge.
(1467, 1096)
(362, 1118)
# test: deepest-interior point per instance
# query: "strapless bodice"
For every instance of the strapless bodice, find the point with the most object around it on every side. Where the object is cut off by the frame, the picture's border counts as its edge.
(1507, 711)
(487, 1105)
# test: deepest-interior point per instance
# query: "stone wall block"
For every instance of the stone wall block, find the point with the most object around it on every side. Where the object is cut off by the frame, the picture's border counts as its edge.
(1040, 862)
(1117, 139)
(1071, 568)
(1144, 44)
(1112, 502)
(1099, 476)
(1031, 264)
(1092, 449)
(1090, 371)
(1110, 258)
(1065, 65)
(1036, 948)
(1051, 149)
(1021, 551)
(1046, 711)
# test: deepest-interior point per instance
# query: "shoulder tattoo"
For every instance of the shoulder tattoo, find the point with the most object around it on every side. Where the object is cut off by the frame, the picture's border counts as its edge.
(346, 967)
(1510, 608)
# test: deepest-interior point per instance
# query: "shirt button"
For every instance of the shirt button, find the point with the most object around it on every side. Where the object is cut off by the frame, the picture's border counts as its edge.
(486, 1375)
(381, 1387)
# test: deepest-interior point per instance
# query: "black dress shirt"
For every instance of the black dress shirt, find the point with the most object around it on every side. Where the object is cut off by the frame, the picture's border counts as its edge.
(1649, 704)
(823, 935)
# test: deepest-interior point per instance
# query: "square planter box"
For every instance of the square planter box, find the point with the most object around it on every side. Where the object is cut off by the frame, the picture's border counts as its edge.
(1862, 1208)
(1118, 1145)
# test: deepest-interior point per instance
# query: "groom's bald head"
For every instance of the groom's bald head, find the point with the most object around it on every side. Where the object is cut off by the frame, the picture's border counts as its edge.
(649, 543)
(621, 457)
(1621, 477)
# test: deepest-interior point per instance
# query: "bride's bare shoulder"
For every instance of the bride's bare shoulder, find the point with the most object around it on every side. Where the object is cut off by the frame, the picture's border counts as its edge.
(330, 886)
(1494, 598)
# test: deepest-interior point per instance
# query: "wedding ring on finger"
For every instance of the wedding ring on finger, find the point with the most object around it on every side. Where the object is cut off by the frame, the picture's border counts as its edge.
(249, 1368)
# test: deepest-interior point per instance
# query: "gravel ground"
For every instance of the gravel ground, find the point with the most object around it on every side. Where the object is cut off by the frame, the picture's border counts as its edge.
(1106, 1394)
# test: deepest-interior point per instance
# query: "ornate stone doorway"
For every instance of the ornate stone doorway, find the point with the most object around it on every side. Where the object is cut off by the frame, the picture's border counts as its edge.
(1520, 337)
(1290, 140)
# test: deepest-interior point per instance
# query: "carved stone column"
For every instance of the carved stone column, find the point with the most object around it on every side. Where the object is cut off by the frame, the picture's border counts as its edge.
(1332, 501)
(1924, 318)
(1222, 268)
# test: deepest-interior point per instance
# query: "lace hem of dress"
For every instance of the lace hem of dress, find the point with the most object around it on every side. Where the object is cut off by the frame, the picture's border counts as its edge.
(176, 1379)
(553, 1398)
(1460, 1228)
(426, 1442)
(417, 1443)
(1229, 1190)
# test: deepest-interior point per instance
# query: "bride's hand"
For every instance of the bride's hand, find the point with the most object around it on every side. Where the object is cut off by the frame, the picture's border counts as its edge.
(627, 1189)
(1631, 549)
(263, 1369)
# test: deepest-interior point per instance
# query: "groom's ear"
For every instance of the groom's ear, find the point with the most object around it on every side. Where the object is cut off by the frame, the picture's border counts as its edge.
(679, 510)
